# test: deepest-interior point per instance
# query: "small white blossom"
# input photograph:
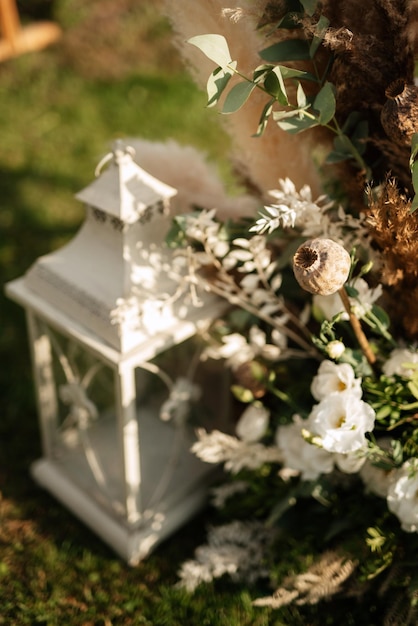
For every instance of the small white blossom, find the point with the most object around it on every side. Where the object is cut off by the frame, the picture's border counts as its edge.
(237, 549)
(275, 215)
(202, 226)
(253, 423)
(398, 361)
(237, 350)
(350, 463)
(177, 406)
(402, 495)
(218, 447)
(329, 306)
(223, 492)
(299, 455)
(341, 420)
(335, 349)
(333, 378)
(293, 209)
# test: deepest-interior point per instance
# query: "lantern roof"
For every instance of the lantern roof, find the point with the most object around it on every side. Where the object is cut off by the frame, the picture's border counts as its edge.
(124, 190)
(117, 279)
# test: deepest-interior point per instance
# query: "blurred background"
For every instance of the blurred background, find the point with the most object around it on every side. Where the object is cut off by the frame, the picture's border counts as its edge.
(113, 73)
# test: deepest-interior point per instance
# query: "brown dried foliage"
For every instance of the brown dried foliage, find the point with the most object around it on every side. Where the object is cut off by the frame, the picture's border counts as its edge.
(395, 232)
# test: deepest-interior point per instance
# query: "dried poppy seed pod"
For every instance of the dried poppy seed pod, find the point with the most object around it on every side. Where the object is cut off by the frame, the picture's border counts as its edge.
(321, 266)
(399, 114)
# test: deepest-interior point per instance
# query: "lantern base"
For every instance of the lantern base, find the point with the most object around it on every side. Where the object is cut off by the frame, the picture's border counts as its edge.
(132, 544)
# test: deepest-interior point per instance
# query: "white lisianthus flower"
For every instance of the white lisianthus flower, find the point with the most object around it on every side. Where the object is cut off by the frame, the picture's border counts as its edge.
(350, 463)
(402, 495)
(252, 424)
(299, 455)
(341, 421)
(329, 306)
(375, 479)
(333, 378)
(396, 363)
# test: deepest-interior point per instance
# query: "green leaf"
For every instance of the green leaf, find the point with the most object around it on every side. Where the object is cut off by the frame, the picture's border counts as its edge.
(325, 103)
(414, 172)
(275, 86)
(238, 96)
(414, 204)
(309, 6)
(342, 150)
(215, 47)
(216, 84)
(301, 97)
(320, 30)
(264, 117)
(261, 72)
(289, 50)
(294, 125)
(381, 316)
(413, 388)
(242, 394)
(290, 72)
(414, 149)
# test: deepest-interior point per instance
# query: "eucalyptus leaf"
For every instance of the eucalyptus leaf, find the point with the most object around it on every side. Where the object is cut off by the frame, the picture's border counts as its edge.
(336, 157)
(261, 72)
(414, 172)
(289, 50)
(414, 148)
(325, 103)
(216, 84)
(290, 72)
(414, 204)
(295, 124)
(264, 117)
(309, 6)
(238, 96)
(275, 86)
(301, 97)
(215, 47)
(320, 30)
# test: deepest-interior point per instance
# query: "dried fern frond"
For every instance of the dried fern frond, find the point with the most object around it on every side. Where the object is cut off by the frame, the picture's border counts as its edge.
(322, 580)
(400, 612)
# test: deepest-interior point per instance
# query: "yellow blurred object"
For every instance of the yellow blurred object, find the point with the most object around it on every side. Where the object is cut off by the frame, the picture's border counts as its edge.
(16, 39)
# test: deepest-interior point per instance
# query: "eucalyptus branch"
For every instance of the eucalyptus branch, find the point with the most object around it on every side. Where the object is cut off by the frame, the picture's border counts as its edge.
(285, 310)
(238, 300)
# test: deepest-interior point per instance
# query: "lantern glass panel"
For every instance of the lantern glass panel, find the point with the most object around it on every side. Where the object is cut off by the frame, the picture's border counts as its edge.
(176, 392)
(85, 435)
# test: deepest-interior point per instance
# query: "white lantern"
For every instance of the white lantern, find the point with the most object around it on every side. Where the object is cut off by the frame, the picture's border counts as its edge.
(116, 353)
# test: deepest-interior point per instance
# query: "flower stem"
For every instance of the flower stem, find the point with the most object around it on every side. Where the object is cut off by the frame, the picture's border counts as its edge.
(355, 323)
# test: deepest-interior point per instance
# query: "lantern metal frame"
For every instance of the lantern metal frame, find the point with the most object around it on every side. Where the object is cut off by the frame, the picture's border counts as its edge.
(131, 527)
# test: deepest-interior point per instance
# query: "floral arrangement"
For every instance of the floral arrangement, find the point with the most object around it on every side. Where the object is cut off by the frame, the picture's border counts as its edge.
(320, 497)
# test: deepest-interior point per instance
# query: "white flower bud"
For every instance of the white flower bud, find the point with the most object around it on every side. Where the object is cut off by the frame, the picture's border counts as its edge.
(335, 349)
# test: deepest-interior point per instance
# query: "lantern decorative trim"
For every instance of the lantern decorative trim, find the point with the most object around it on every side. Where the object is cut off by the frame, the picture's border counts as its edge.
(115, 381)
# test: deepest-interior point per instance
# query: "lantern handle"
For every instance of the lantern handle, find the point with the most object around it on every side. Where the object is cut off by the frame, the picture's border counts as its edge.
(119, 150)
